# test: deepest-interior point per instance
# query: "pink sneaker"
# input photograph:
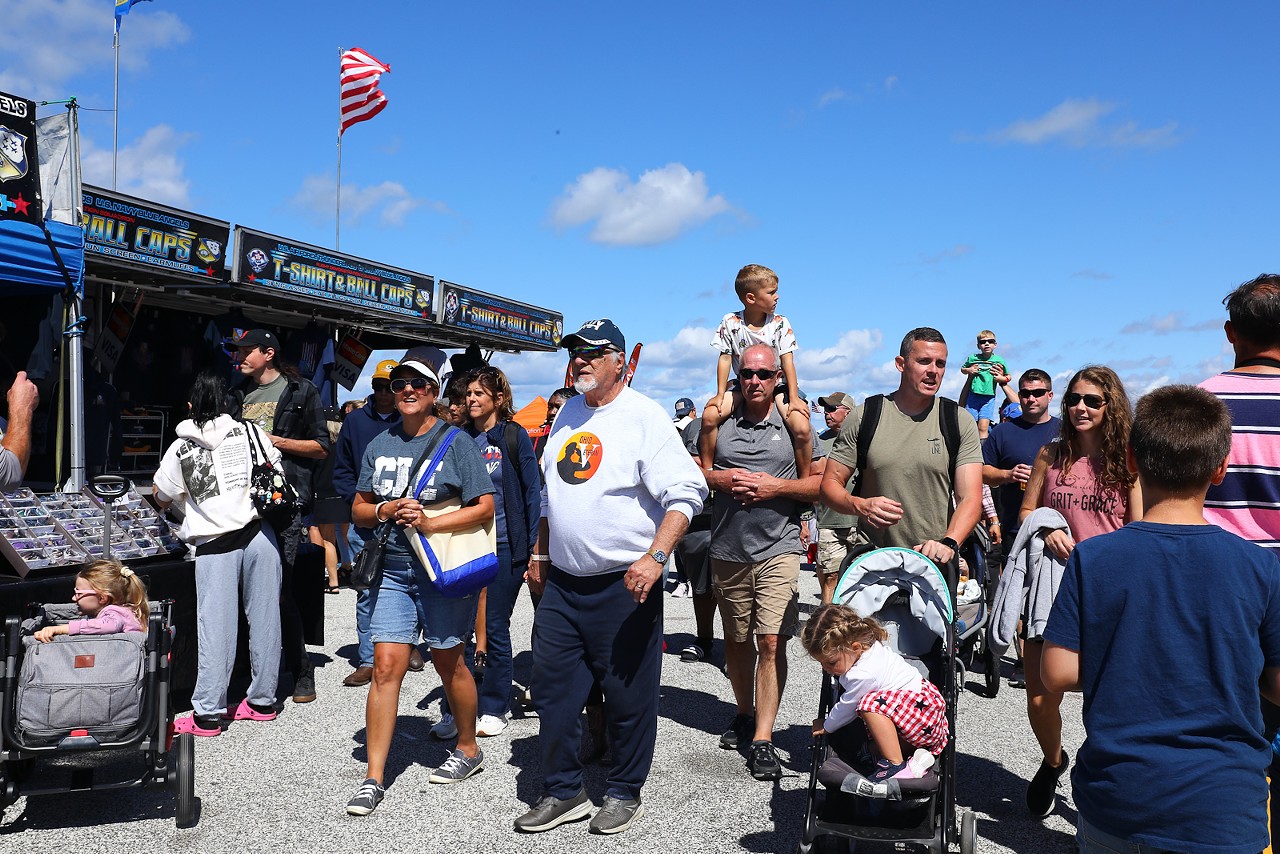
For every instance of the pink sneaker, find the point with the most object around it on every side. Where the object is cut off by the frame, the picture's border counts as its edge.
(190, 725)
(245, 712)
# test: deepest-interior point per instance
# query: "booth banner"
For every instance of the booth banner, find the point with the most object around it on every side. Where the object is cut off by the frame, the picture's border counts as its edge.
(135, 233)
(476, 311)
(349, 361)
(19, 161)
(265, 261)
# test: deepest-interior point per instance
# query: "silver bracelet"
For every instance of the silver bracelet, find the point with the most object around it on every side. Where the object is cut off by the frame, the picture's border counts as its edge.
(539, 558)
(377, 511)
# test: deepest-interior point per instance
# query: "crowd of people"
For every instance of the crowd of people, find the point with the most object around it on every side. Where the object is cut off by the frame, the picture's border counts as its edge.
(1108, 520)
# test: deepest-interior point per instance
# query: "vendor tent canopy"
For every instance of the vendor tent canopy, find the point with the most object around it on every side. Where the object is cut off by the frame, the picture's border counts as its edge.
(533, 414)
(33, 262)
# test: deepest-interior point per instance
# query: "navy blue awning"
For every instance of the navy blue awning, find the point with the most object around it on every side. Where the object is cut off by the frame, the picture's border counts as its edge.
(28, 265)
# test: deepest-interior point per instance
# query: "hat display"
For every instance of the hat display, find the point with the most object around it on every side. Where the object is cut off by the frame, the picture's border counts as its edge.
(683, 407)
(256, 338)
(596, 333)
(835, 399)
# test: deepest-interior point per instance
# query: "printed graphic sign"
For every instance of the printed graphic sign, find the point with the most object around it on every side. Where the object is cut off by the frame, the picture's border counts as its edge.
(349, 361)
(265, 261)
(114, 335)
(135, 233)
(476, 311)
(19, 163)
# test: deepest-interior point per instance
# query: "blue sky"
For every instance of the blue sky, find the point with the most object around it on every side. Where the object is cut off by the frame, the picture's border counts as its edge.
(1088, 180)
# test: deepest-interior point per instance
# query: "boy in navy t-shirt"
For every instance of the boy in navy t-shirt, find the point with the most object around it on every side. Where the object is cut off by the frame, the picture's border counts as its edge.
(1167, 625)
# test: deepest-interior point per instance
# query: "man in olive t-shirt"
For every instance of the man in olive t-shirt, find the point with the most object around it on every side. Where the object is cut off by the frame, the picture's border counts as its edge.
(906, 490)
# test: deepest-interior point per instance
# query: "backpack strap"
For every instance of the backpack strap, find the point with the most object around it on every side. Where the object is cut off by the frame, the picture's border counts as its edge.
(871, 408)
(510, 437)
(949, 421)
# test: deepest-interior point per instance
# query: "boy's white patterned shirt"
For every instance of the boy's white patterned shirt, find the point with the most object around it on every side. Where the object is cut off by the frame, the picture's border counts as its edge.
(734, 336)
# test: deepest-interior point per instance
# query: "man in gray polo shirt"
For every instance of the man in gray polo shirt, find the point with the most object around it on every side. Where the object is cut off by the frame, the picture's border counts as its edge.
(755, 554)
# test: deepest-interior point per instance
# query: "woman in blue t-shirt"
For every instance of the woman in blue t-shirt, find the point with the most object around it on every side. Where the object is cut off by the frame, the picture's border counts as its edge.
(518, 506)
(406, 603)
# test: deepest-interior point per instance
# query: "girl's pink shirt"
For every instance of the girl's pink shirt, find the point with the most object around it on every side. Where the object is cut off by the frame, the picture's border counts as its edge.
(111, 620)
(1088, 509)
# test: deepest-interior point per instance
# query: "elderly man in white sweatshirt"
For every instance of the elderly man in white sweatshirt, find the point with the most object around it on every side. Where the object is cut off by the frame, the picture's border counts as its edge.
(619, 492)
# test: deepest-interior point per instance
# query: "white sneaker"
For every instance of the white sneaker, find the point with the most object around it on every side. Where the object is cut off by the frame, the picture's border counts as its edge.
(446, 729)
(490, 725)
(920, 762)
(681, 591)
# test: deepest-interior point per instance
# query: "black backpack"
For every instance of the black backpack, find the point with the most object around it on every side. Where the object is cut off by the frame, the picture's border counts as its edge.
(948, 421)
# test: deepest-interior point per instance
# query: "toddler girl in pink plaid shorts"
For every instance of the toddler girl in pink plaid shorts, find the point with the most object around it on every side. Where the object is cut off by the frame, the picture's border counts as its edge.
(903, 712)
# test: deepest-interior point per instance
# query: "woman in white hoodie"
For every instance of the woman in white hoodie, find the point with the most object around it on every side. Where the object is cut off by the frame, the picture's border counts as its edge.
(206, 471)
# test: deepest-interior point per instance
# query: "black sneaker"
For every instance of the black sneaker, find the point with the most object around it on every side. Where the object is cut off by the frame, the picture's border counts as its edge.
(742, 728)
(763, 762)
(1043, 787)
(552, 812)
(616, 815)
(695, 652)
(366, 798)
(304, 688)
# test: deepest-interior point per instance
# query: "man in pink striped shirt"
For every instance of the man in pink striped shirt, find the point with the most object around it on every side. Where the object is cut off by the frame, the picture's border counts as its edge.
(1247, 502)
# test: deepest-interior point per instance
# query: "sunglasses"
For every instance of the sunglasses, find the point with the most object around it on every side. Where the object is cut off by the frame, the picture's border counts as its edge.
(80, 594)
(986, 340)
(1093, 401)
(829, 408)
(416, 383)
(381, 387)
(761, 374)
(590, 354)
(1032, 392)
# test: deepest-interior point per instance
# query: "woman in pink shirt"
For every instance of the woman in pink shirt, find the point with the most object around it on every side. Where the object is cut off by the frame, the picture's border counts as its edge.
(1085, 477)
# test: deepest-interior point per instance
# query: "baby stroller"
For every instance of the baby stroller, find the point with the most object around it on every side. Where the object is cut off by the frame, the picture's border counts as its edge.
(912, 599)
(118, 702)
(973, 609)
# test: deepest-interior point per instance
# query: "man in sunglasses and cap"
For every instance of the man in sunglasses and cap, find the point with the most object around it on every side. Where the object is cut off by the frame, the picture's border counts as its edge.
(619, 493)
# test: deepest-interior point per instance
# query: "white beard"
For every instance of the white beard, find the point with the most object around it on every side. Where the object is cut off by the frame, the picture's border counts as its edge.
(582, 385)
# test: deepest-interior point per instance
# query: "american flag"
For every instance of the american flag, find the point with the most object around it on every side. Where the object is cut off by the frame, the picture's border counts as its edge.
(360, 98)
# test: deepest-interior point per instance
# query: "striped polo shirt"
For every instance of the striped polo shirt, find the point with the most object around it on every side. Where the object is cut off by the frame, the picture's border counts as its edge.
(1247, 502)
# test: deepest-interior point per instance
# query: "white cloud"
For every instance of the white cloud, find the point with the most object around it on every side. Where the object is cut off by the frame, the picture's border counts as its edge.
(1164, 324)
(149, 167)
(890, 82)
(958, 251)
(1080, 123)
(831, 96)
(390, 201)
(47, 43)
(660, 206)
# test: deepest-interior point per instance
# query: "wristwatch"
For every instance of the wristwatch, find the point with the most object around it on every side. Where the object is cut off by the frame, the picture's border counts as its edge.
(951, 544)
(660, 556)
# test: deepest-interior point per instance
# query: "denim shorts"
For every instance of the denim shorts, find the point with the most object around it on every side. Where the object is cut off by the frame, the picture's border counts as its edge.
(981, 406)
(406, 604)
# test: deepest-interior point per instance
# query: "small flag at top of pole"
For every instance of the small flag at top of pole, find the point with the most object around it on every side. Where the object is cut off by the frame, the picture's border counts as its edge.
(361, 99)
(123, 7)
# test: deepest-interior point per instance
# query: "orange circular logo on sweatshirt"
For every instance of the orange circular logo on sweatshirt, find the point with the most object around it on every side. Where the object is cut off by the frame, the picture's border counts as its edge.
(580, 457)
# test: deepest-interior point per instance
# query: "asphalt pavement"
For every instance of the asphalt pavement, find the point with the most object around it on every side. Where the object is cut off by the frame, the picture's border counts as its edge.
(283, 785)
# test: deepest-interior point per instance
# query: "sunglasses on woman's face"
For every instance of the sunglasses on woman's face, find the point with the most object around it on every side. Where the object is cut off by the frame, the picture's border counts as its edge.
(758, 374)
(1093, 401)
(416, 383)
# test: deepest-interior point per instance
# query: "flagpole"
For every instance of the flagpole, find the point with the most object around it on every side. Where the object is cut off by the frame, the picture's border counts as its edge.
(115, 111)
(337, 214)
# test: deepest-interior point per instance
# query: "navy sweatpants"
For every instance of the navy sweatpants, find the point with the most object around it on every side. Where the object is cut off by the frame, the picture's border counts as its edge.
(591, 630)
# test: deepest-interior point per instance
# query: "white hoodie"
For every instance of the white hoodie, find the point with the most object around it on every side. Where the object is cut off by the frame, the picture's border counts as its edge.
(207, 471)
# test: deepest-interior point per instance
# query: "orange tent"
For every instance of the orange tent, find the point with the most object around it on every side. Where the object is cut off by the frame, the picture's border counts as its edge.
(532, 415)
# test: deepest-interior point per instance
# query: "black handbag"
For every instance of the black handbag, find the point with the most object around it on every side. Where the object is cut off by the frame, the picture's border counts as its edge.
(366, 570)
(275, 500)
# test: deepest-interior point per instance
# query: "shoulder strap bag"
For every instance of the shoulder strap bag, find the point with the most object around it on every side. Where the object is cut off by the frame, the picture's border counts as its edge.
(269, 490)
(366, 571)
(459, 563)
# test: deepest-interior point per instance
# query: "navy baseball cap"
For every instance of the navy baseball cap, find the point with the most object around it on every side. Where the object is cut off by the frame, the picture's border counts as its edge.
(596, 333)
(683, 407)
(256, 338)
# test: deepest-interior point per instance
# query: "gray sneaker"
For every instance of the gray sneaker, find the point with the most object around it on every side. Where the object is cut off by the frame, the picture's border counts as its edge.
(616, 815)
(366, 798)
(457, 767)
(552, 812)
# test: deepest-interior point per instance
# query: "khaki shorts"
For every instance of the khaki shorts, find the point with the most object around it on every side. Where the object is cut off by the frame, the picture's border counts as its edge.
(759, 598)
(833, 548)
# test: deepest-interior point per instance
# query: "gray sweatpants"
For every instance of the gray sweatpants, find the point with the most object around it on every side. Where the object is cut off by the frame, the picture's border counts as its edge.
(254, 569)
